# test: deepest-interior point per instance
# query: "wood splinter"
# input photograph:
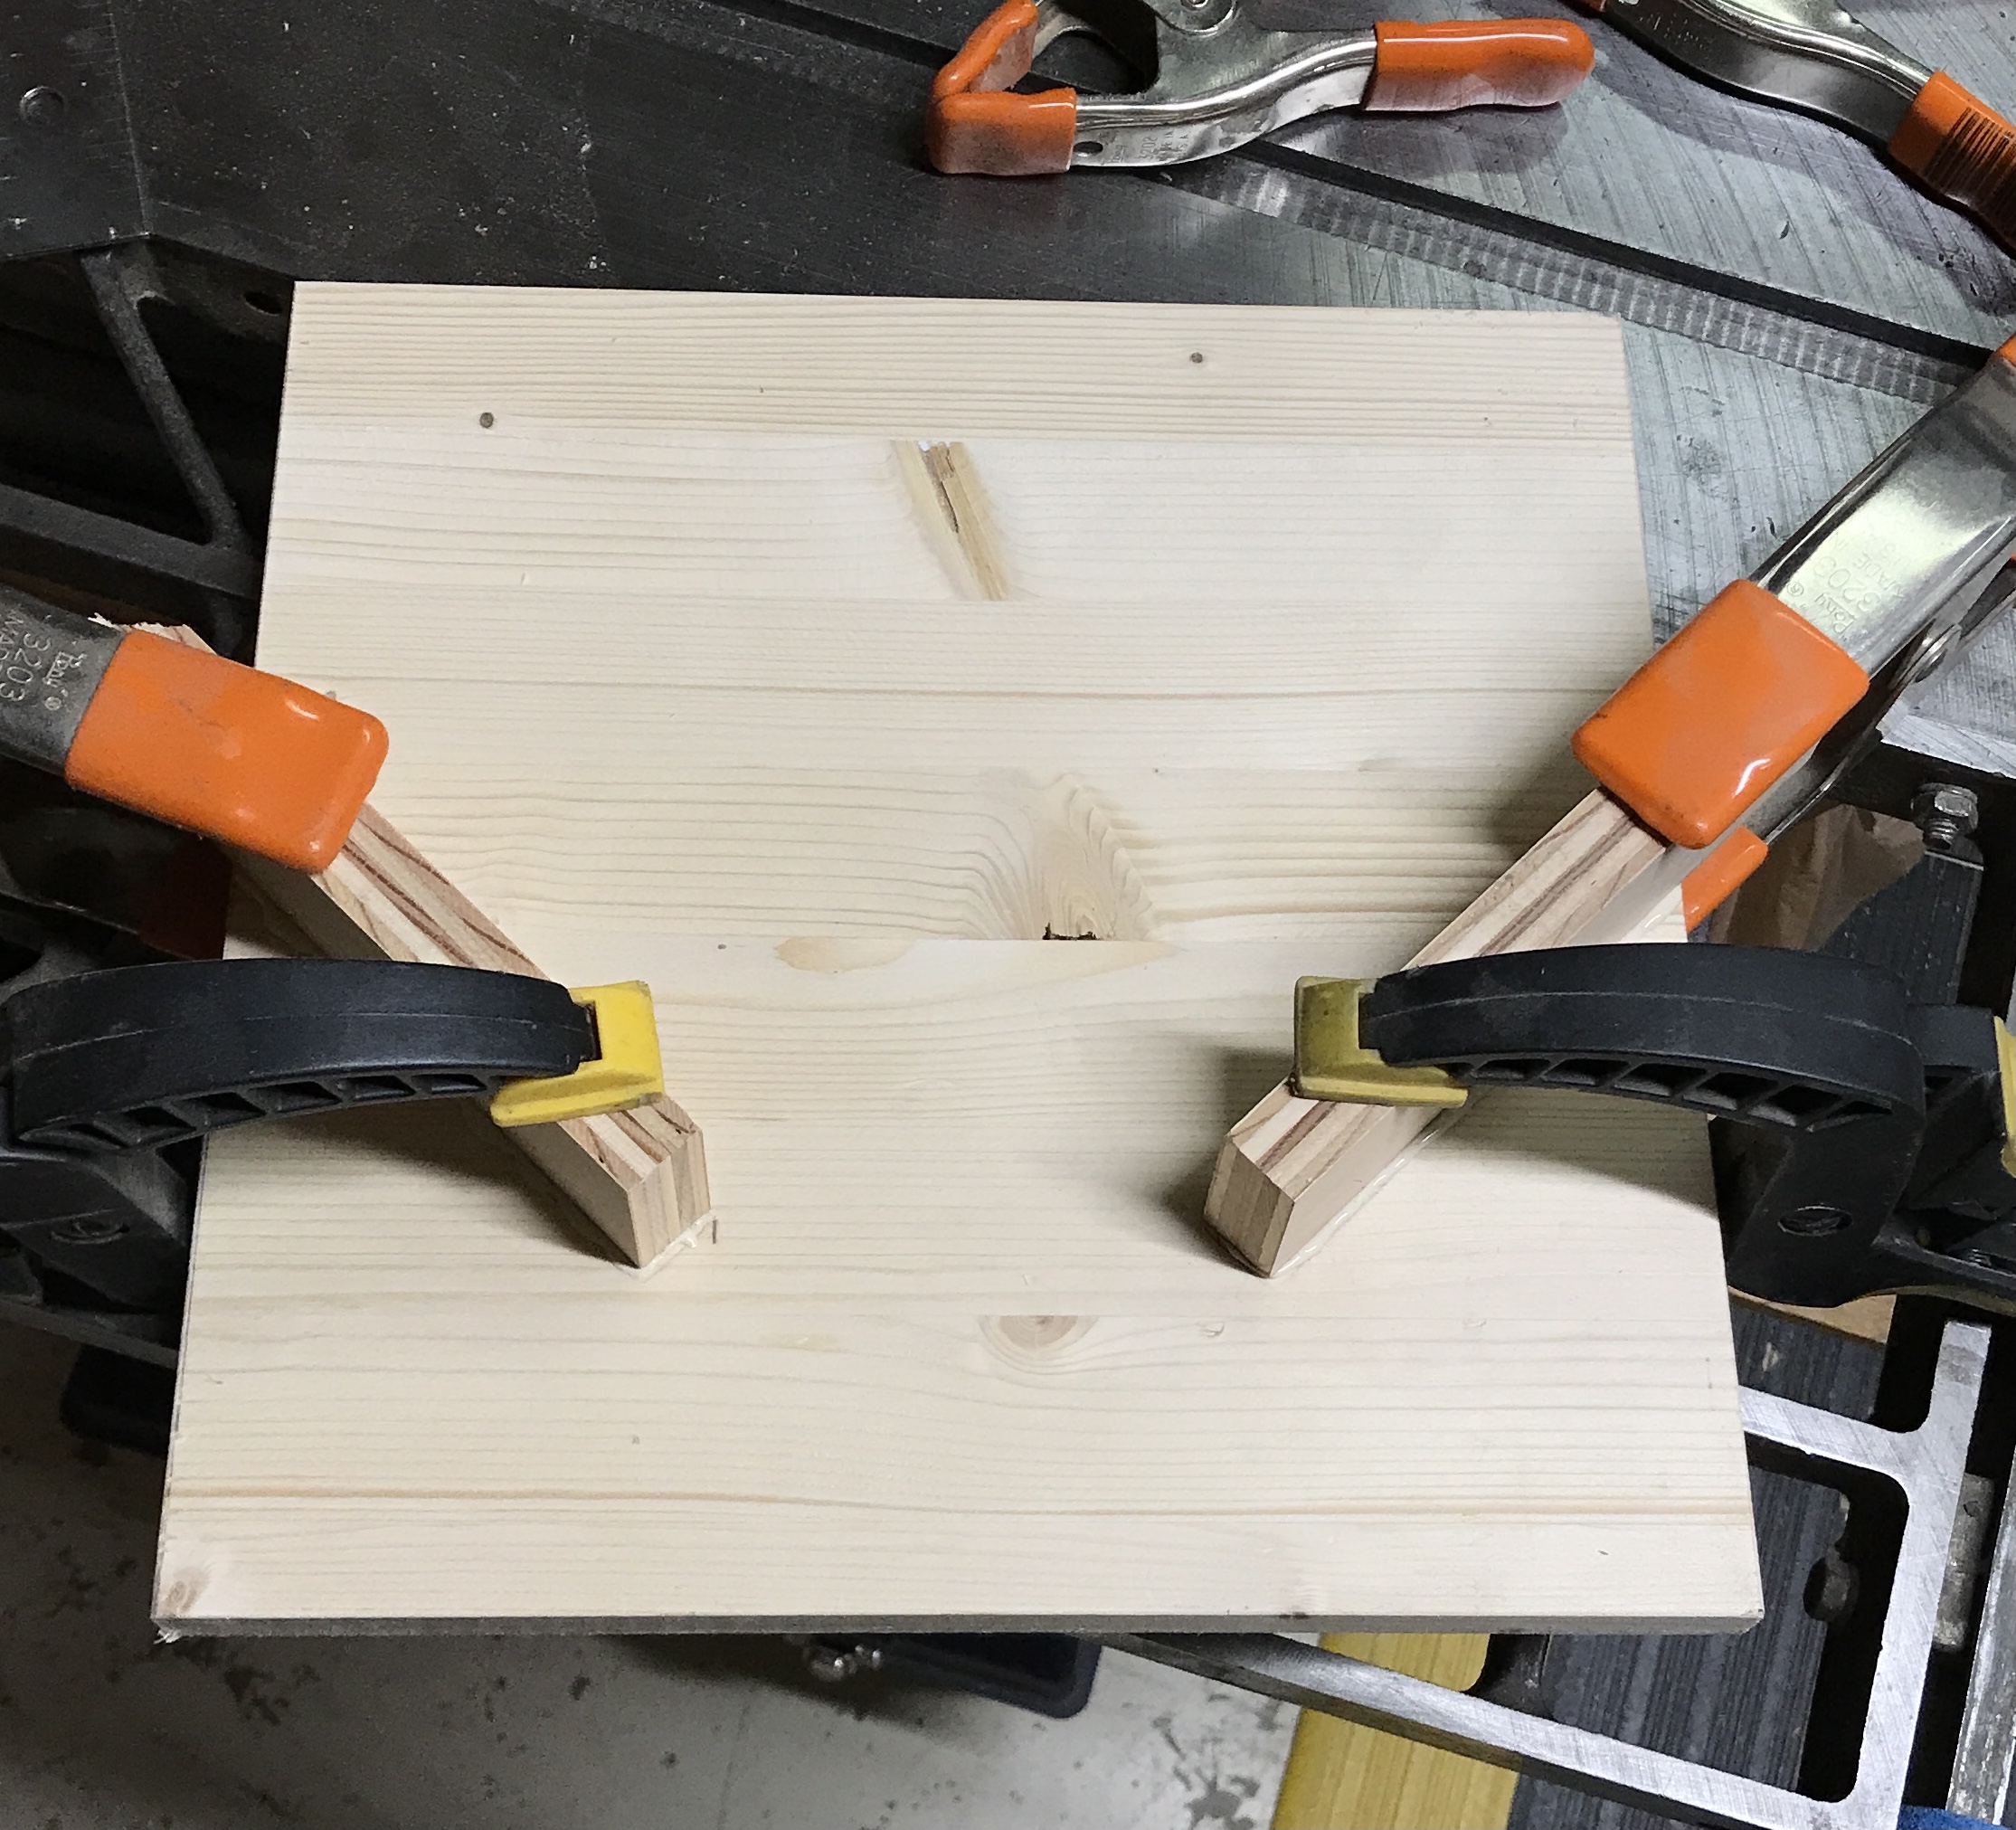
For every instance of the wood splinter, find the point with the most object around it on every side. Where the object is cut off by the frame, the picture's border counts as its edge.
(641, 1175)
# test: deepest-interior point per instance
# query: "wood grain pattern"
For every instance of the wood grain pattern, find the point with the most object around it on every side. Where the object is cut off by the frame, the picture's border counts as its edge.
(681, 680)
(1292, 1169)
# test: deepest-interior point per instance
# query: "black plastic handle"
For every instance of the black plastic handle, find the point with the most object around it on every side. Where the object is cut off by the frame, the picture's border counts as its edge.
(1812, 1067)
(1803, 1041)
(144, 1055)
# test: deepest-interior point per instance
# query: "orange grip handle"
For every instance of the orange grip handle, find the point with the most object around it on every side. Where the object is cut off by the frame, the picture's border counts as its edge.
(1718, 713)
(1477, 63)
(1718, 876)
(974, 124)
(1963, 151)
(244, 756)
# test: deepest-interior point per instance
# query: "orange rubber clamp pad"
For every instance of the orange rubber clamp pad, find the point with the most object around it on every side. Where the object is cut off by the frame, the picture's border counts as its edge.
(242, 755)
(1477, 63)
(1963, 151)
(1718, 876)
(1718, 713)
(973, 124)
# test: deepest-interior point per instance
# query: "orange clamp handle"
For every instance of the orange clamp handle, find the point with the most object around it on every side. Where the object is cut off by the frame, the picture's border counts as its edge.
(1963, 151)
(1718, 876)
(244, 756)
(1427, 69)
(974, 123)
(1718, 713)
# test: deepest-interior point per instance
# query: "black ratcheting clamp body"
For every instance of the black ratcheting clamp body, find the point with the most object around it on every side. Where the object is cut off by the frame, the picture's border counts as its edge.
(1861, 1143)
(101, 1072)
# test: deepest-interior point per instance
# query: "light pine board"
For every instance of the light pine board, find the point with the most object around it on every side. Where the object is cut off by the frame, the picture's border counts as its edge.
(696, 671)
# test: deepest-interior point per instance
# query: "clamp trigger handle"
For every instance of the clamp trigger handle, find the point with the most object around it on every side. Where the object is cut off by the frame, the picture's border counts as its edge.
(976, 123)
(1433, 68)
(1961, 150)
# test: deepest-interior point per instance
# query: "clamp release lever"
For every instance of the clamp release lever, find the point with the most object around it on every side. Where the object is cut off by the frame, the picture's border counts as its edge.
(1814, 56)
(1727, 735)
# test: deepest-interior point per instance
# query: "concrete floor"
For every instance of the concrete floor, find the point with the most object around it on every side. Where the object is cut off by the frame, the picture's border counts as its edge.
(104, 1727)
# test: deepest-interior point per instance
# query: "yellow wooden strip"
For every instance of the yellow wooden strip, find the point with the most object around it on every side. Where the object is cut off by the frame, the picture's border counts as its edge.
(1343, 1776)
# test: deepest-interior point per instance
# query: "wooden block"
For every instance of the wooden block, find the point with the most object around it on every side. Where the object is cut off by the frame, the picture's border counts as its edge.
(701, 666)
(1292, 1169)
(641, 1175)
(1342, 1775)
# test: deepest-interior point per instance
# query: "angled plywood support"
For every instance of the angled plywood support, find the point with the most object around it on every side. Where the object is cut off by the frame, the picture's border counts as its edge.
(1292, 1168)
(641, 1175)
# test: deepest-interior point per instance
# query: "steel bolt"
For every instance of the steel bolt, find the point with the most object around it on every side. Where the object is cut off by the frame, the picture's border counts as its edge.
(1945, 813)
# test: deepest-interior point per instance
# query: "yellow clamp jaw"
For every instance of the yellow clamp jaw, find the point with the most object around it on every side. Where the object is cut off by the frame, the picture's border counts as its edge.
(626, 1072)
(1331, 1064)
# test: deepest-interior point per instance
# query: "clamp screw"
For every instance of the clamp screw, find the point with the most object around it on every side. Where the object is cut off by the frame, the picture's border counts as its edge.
(1945, 813)
(89, 1230)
